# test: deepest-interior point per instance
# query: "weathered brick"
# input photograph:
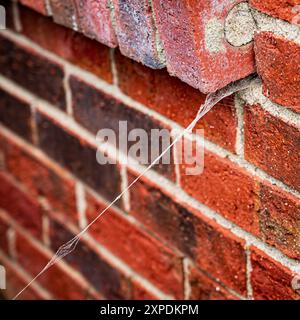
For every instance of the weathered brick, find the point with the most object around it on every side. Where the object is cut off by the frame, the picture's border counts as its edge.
(15, 114)
(56, 280)
(279, 219)
(272, 145)
(72, 46)
(77, 156)
(64, 13)
(278, 63)
(40, 179)
(194, 41)
(97, 110)
(143, 253)
(37, 5)
(214, 249)
(3, 236)
(25, 210)
(104, 276)
(176, 100)
(226, 188)
(136, 32)
(204, 288)
(270, 279)
(282, 9)
(32, 71)
(94, 20)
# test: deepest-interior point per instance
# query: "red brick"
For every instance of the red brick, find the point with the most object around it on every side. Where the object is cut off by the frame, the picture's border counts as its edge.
(204, 288)
(176, 100)
(20, 206)
(221, 254)
(56, 280)
(136, 32)
(15, 282)
(104, 276)
(32, 71)
(15, 114)
(83, 52)
(272, 145)
(3, 236)
(77, 156)
(64, 12)
(214, 249)
(40, 179)
(278, 63)
(227, 189)
(141, 293)
(162, 215)
(182, 25)
(282, 9)
(37, 5)
(279, 220)
(140, 251)
(96, 110)
(270, 279)
(94, 20)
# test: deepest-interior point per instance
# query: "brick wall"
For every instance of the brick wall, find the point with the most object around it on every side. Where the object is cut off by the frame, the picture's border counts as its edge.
(232, 232)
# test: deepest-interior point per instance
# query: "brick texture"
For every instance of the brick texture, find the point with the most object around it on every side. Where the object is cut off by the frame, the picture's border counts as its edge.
(55, 280)
(177, 101)
(35, 73)
(140, 293)
(226, 188)
(20, 206)
(64, 13)
(84, 53)
(278, 61)
(203, 288)
(96, 110)
(137, 248)
(78, 157)
(272, 145)
(16, 282)
(228, 233)
(105, 277)
(270, 280)
(279, 219)
(94, 20)
(15, 114)
(214, 249)
(136, 32)
(40, 179)
(282, 9)
(191, 54)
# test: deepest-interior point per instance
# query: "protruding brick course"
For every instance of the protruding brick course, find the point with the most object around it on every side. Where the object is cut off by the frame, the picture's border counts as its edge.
(136, 32)
(94, 19)
(192, 33)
